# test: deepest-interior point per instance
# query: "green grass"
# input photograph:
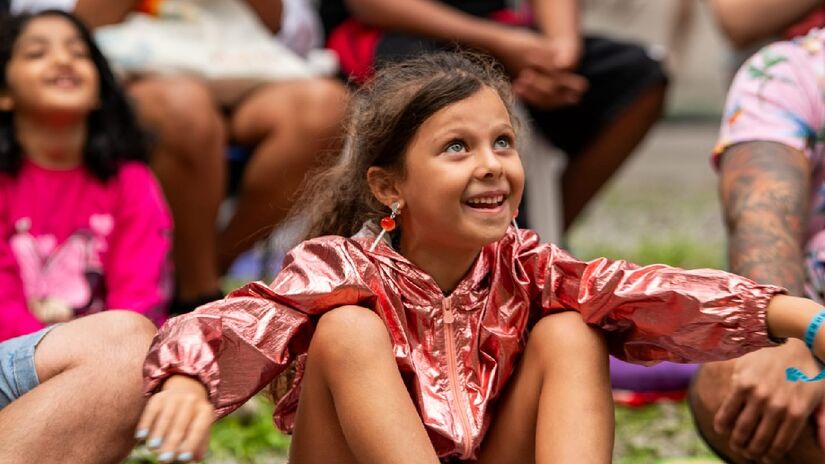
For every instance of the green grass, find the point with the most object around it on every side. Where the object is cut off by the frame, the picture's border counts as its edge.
(677, 251)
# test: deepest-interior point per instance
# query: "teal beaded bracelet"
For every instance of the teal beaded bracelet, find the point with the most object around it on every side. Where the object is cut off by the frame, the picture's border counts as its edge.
(795, 375)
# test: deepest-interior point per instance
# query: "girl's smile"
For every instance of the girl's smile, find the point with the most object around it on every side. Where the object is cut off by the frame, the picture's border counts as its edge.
(51, 72)
(461, 185)
(464, 177)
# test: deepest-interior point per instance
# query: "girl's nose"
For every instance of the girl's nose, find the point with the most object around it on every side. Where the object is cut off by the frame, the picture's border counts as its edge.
(61, 56)
(489, 165)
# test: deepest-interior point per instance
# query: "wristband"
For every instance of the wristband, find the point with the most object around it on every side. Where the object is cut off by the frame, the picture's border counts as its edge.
(795, 375)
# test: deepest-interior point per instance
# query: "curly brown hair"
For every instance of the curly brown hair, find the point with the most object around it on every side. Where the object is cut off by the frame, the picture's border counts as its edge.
(384, 116)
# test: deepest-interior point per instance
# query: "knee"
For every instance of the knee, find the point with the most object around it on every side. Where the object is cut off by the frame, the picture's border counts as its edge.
(561, 334)
(182, 115)
(320, 105)
(705, 396)
(350, 334)
(123, 337)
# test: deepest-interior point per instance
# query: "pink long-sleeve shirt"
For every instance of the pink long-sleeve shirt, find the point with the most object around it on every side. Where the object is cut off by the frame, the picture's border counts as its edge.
(88, 244)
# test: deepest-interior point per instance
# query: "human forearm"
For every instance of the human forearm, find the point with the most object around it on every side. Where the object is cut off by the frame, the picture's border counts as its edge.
(429, 19)
(557, 18)
(764, 188)
(269, 12)
(789, 317)
(745, 22)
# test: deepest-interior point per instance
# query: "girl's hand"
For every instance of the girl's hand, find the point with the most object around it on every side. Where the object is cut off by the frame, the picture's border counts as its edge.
(176, 420)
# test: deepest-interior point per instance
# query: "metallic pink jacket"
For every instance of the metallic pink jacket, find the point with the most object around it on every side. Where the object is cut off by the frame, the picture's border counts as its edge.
(457, 352)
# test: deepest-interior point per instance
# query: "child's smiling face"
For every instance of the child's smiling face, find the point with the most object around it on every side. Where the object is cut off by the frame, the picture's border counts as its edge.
(464, 178)
(50, 71)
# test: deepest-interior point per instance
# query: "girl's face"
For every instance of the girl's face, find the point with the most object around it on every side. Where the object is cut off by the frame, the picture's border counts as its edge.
(464, 177)
(50, 72)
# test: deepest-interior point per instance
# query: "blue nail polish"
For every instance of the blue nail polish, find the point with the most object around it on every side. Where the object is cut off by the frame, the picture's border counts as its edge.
(185, 456)
(154, 443)
(166, 457)
(141, 434)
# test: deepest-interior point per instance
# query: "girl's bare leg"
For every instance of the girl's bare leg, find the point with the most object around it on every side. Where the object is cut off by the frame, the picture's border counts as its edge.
(558, 407)
(90, 394)
(190, 163)
(292, 126)
(354, 407)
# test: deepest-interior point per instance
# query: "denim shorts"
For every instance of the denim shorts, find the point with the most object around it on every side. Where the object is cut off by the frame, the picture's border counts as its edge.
(17, 372)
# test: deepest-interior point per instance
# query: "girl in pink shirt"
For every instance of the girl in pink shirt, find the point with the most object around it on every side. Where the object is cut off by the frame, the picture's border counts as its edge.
(83, 222)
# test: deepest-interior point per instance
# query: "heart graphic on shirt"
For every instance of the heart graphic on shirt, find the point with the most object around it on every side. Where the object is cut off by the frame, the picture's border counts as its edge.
(101, 224)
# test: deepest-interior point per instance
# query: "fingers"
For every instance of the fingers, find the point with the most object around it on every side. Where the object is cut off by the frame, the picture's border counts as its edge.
(175, 434)
(196, 440)
(176, 427)
(147, 419)
(786, 435)
(746, 423)
(728, 412)
(776, 416)
(820, 422)
(549, 91)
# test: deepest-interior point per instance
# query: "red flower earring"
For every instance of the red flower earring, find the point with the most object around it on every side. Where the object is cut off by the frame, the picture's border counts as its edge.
(387, 223)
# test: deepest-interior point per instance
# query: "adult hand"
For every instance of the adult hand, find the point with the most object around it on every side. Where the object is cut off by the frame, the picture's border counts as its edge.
(549, 90)
(176, 420)
(519, 49)
(763, 412)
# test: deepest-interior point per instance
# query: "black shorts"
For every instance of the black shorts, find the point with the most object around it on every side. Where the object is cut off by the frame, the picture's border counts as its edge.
(618, 73)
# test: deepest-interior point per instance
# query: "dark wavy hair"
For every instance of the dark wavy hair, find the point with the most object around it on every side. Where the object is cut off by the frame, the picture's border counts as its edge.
(384, 116)
(113, 134)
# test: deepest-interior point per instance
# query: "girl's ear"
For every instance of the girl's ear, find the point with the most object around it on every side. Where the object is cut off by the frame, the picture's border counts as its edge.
(383, 184)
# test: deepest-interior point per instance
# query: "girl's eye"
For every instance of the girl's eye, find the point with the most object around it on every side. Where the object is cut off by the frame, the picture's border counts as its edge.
(80, 52)
(502, 143)
(33, 52)
(455, 146)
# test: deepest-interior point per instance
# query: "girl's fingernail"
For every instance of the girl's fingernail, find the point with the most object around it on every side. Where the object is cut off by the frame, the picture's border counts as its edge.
(166, 456)
(141, 434)
(154, 443)
(185, 456)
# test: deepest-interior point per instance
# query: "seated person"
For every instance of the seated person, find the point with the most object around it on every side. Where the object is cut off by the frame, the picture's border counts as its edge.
(770, 161)
(593, 98)
(289, 126)
(84, 224)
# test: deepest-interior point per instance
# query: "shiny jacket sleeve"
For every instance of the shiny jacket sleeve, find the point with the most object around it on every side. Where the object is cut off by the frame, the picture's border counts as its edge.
(656, 312)
(237, 345)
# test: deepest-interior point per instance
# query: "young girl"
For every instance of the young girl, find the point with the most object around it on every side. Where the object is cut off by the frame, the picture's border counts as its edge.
(420, 325)
(83, 222)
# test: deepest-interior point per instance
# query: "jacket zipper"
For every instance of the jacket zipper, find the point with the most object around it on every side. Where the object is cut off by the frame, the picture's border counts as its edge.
(449, 344)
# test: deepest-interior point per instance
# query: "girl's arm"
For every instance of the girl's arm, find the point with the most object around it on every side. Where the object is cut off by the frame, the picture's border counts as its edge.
(237, 345)
(137, 268)
(790, 316)
(657, 312)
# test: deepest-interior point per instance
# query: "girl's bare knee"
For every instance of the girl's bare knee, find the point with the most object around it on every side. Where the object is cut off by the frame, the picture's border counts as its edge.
(349, 332)
(564, 333)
